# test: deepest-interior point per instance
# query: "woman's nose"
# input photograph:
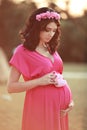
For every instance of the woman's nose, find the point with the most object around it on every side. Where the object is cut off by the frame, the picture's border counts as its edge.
(51, 33)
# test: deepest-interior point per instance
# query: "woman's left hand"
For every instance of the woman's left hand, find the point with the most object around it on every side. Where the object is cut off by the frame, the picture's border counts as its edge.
(64, 112)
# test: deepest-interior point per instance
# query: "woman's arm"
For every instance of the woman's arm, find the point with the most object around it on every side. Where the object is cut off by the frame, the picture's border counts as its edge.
(14, 86)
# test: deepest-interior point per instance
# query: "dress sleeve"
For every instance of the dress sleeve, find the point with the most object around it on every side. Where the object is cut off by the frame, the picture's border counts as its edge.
(19, 62)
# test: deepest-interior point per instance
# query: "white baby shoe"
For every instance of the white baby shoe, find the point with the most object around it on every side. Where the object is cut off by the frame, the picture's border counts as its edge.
(60, 82)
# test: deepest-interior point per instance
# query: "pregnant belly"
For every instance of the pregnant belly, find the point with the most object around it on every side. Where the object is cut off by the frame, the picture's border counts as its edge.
(61, 96)
(64, 96)
(52, 95)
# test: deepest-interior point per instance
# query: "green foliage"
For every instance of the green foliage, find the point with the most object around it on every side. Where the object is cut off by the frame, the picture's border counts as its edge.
(74, 39)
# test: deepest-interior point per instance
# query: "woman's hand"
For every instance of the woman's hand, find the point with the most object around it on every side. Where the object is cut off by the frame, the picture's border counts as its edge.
(48, 79)
(64, 112)
(53, 78)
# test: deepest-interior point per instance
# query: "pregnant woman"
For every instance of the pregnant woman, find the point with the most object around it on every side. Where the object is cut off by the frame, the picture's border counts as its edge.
(48, 97)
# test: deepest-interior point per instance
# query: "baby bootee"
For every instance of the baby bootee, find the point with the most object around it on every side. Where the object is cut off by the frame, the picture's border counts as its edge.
(60, 82)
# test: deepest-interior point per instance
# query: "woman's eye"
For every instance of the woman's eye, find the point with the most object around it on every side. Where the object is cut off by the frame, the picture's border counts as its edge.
(47, 30)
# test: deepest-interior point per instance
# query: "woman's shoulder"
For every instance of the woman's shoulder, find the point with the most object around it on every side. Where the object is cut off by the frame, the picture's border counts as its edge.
(56, 53)
(19, 48)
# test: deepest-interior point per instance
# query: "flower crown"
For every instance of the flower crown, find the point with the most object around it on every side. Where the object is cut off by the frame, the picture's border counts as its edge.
(49, 15)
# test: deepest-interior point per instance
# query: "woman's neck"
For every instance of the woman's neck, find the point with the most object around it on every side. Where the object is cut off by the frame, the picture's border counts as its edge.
(43, 50)
(42, 47)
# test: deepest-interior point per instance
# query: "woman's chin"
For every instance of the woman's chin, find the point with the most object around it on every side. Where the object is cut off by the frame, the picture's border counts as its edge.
(48, 40)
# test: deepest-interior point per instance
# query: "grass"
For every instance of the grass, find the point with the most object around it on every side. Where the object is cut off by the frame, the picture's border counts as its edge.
(78, 117)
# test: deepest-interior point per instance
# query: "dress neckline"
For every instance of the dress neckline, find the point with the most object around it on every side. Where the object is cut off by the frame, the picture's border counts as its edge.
(44, 56)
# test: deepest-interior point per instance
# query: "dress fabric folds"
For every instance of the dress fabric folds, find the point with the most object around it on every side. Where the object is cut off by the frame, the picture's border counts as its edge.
(42, 104)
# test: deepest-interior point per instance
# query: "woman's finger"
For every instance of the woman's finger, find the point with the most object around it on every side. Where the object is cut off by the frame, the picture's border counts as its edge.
(71, 104)
(64, 112)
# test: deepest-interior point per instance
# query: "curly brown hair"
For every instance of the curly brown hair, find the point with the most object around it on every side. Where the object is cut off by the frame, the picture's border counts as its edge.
(32, 29)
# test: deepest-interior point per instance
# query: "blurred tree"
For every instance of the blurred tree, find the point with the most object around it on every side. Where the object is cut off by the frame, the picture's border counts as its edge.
(73, 42)
(74, 35)
(12, 18)
(73, 46)
(6, 15)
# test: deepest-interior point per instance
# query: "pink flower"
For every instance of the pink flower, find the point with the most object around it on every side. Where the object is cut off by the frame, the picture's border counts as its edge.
(48, 14)
(38, 17)
(43, 16)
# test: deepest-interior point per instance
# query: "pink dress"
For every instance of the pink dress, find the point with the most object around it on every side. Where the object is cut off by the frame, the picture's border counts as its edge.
(42, 104)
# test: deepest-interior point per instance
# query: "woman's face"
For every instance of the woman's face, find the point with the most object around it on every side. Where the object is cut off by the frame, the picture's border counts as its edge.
(46, 35)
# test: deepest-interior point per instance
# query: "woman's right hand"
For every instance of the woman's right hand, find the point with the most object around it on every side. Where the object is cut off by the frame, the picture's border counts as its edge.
(48, 79)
